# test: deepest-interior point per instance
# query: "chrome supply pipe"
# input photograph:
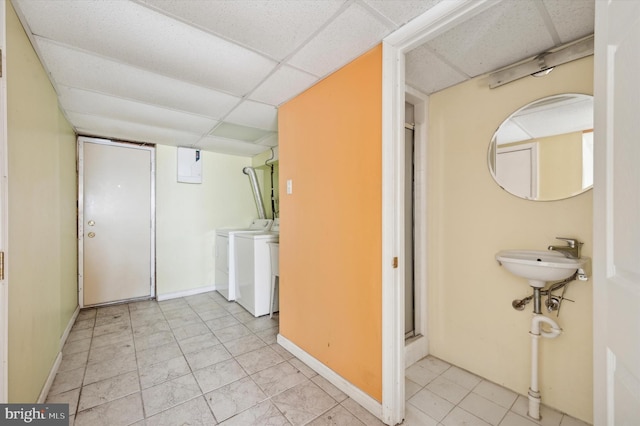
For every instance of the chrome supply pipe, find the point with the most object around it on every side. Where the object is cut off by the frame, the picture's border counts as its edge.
(519, 304)
(251, 172)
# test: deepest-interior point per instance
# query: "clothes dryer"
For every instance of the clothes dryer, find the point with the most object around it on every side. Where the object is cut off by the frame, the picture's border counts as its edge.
(225, 278)
(253, 274)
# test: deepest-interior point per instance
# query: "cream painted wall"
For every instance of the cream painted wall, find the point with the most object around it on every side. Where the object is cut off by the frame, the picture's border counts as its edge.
(471, 321)
(187, 216)
(42, 254)
(560, 165)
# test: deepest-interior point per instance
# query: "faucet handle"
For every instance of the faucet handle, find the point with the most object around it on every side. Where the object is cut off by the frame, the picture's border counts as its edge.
(572, 242)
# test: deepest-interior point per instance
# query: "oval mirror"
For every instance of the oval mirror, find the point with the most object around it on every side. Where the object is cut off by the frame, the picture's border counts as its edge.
(544, 150)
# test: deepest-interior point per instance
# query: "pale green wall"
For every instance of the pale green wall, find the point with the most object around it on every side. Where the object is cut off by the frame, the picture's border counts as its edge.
(264, 177)
(187, 216)
(68, 222)
(470, 218)
(258, 162)
(42, 244)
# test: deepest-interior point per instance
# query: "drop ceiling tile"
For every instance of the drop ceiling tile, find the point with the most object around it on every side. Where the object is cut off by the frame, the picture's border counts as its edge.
(352, 33)
(92, 103)
(504, 34)
(93, 125)
(139, 36)
(243, 133)
(283, 85)
(401, 12)
(572, 19)
(255, 114)
(80, 69)
(271, 141)
(511, 132)
(563, 117)
(275, 28)
(428, 73)
(227, 146)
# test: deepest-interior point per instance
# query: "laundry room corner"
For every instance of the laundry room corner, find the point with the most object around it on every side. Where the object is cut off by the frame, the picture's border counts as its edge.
(188, 214)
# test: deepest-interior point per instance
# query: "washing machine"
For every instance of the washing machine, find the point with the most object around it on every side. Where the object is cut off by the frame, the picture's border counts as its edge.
(253, 273)
(225, 278)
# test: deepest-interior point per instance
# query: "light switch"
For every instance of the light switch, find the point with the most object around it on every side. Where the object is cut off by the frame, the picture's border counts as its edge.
(289, 186)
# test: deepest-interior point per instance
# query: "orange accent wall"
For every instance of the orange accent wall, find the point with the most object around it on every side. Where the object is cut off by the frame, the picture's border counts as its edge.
(330, 146)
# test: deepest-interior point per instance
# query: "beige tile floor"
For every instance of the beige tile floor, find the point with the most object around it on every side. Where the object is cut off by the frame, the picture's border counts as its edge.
(200, 360)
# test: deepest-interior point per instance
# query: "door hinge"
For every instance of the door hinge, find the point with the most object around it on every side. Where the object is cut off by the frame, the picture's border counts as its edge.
(1, 266)
(395, 262)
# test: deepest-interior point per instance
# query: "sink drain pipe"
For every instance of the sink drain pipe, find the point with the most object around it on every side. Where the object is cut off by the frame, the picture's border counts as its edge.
(536, 333)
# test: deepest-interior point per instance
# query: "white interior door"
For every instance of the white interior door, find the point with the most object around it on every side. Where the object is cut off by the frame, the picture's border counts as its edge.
(517, 170)
(117, 222)
(616, 220)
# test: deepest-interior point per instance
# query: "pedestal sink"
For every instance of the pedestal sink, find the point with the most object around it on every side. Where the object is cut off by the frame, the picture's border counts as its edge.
(539, 266)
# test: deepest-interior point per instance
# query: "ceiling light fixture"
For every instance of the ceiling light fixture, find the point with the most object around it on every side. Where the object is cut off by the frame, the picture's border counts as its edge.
(543, 72)
(542, 64)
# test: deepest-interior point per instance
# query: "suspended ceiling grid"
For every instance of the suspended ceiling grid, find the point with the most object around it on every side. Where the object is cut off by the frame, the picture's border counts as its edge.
(211, 74)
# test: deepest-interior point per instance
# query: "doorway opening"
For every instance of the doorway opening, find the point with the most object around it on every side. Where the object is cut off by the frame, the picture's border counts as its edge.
(416, 344)
(409, 226)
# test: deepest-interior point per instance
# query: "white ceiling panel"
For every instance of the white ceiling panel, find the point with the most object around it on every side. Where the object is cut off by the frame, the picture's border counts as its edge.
(229, 146)
(573, 19)
(401, 12)
(93, 103)
(271, 140)
(275, 27)
(557, 119)
(352, 33)
(255, 114)
(243, 133)
(511, 132)
(80, 69)
(428, 73)
(283, 85)
(137, 36)
(486, 42)
(94, 125)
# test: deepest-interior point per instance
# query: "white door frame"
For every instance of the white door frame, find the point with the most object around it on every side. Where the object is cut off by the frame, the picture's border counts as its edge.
(441, 17)
(4, 219)
(152, 151)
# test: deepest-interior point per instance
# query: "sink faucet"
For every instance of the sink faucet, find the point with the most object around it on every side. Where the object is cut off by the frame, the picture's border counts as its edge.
(571, 250)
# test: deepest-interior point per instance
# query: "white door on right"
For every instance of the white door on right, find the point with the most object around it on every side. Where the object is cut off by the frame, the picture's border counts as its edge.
(616, 280)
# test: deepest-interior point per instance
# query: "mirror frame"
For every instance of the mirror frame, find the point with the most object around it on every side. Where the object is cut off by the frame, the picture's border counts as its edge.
(493, 147)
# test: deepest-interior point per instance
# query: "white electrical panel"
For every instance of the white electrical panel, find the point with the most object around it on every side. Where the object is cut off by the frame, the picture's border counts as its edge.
(189, 165)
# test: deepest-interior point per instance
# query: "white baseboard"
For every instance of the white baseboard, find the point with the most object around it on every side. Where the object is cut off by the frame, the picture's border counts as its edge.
(373, 406)
(49, 382)
(65, 335)
(415, 350)
(184, 293)
(56, 364)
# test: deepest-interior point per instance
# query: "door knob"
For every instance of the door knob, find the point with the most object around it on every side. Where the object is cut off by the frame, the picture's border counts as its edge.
(91, 234)
(91, 223)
